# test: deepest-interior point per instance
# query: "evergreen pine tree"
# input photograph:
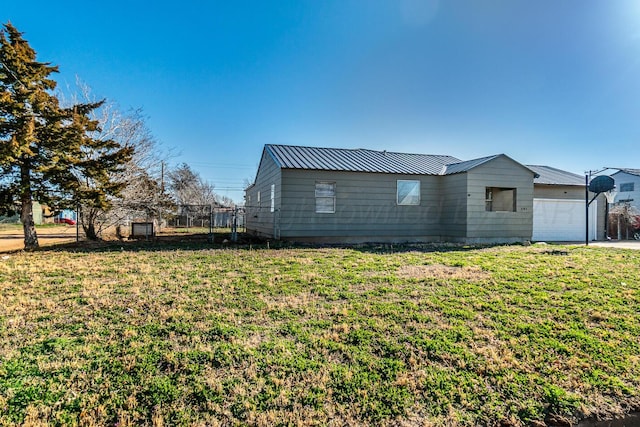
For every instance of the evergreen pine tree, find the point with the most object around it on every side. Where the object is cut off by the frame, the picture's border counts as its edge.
(47, 153)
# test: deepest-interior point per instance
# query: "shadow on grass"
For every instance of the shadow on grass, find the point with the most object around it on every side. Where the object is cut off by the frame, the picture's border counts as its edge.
(192, 242)
(204, 241)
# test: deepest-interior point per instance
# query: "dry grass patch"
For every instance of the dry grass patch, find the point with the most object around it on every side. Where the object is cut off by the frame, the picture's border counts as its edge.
(439, 271)
(317, 336)
(294, 301)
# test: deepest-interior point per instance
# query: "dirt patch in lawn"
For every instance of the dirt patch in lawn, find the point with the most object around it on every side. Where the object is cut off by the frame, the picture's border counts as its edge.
(12, 239)
(439, 271)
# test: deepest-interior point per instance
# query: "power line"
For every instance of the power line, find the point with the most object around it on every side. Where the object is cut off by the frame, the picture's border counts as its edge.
(221, 165)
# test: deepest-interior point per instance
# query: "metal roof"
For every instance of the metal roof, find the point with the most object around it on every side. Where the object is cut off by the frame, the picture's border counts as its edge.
(466, 166)
(630, 171)
(363, 160)
(357, 160)
(553, 176)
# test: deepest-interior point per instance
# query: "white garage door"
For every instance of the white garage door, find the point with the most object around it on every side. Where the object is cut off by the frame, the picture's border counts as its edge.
(557, 220)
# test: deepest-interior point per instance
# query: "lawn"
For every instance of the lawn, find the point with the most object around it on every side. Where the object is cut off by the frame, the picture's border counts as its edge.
(160, 335)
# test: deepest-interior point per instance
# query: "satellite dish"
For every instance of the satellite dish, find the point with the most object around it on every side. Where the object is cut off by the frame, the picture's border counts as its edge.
(601, 184)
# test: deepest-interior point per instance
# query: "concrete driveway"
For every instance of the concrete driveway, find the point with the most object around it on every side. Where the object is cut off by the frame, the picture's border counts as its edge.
(621, 244)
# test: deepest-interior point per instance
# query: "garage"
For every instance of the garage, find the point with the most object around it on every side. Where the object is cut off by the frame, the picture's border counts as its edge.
(562, 220)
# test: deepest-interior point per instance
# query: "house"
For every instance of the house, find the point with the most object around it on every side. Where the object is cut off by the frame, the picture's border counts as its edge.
(66, 216)
(39, 214)
(559, 207)
(338, 195)
(627, 186)
(624, 218)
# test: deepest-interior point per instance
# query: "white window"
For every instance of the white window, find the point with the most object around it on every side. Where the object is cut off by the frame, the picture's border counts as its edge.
(273, 198)
(627, 186)
(325, 197)
(408, 192)
(258, 199)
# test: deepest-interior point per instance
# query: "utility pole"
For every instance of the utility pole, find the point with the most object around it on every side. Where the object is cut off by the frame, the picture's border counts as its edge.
(211, 236)
(234, 226)
(586, 205)
(162, 178)
(161, 195)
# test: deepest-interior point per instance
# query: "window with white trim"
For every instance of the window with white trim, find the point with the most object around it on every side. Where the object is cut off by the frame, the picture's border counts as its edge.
(408, 192)
(325, 197)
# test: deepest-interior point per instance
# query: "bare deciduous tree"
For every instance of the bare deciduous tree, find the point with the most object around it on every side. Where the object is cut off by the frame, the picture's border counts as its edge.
(188, 188)
(194, 196)
(142, 195)
(626, 220)
(225, 201)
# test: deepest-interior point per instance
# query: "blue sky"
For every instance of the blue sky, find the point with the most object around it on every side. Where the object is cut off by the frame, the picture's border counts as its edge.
(545, 82)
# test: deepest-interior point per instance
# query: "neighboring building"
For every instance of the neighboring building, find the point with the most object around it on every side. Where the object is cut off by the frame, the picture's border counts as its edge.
(627, 186)
(349, 196)
(559, 207)
(11, 219)
(66, 214)
(38, 213)
(38, 210)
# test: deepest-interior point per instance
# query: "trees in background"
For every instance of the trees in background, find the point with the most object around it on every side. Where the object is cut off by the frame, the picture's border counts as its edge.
(140, 176)
(194, 196)
(188, 188)
(624, 221)
(48, 152)
(80, 153)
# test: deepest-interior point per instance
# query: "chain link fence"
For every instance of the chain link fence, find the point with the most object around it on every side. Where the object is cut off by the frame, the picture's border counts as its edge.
(148, 220)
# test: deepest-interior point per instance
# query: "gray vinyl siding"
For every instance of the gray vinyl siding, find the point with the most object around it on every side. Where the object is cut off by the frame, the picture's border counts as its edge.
(259, 218)
(486, 226)
(451, 208)
(565, 192)
(366, 208)
(454, 203)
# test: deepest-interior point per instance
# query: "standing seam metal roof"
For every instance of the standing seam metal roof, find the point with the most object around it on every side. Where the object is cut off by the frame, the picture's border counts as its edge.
(466, 166)
(631, 171)
(357, 160)
(553, 176)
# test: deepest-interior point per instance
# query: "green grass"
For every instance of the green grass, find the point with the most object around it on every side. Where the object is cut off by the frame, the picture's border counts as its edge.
(18, 226)
(188, 336)
(188, 230)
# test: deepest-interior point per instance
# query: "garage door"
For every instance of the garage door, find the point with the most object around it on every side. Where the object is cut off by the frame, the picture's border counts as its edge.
(557, 220)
